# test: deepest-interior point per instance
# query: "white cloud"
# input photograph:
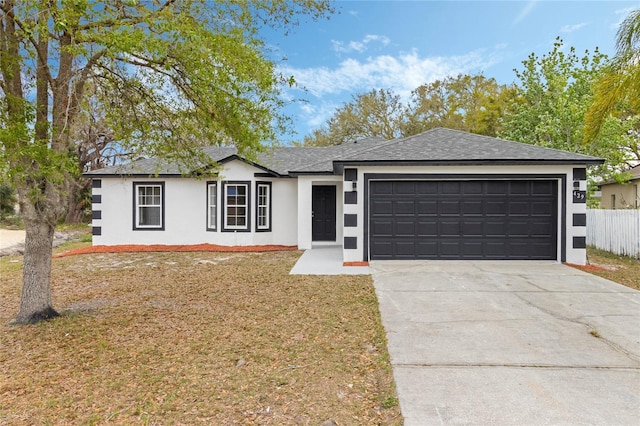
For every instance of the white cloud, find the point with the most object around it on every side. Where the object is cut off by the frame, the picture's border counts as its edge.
(401, 73)
(573, 27)
(525, 12)
(359, 46)
(623, 15)
(316, 115)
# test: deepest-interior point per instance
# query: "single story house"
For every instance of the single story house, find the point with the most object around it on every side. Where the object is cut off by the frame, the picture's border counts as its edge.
(614, 195)
(441, 194)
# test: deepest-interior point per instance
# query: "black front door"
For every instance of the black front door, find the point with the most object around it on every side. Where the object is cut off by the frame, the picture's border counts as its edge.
(323, 206)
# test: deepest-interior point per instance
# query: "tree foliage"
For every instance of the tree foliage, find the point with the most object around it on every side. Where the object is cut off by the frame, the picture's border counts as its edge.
(554, 94)
(378, 113)
(618, 90)
(471, 103)
(175, 74)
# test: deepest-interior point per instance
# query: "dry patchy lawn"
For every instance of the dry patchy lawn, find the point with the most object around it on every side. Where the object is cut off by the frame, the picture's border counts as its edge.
(621, 269)
(195, 338)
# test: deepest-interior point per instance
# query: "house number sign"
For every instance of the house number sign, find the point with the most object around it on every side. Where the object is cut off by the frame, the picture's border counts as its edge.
(579, 196)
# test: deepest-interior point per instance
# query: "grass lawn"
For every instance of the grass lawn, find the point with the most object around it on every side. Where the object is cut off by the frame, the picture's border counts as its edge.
(621, 269)
(195, 338)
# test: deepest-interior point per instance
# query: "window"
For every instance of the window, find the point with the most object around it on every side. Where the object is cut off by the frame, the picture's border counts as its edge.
(212, 206)
(263, 206)
(148, 199)
(613, 201)
(236, 206)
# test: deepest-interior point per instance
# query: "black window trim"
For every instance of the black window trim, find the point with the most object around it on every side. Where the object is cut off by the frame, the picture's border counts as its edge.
(213, 228)
(223, 216)
(136, 185)
(269, 206)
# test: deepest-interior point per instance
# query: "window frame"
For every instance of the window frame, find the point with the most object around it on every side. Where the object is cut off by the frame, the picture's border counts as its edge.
(212, 226)
(136, 206)
(225, 205)
(269, 204)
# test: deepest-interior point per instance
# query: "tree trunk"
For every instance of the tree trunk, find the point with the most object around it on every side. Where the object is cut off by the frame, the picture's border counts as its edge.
(36, 303)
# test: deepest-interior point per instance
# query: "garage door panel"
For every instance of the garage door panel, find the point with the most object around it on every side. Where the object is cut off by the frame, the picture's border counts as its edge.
(496, 187)
(449, 228)
(426, 249)
(406, 188)
(472, 188)
(481, 219)
(471, 207)
(542, 208)
(519, 188)
(472, 249)
(404, 228)
(518, 228)
(382, 228)
(495, 229)
(427, 207)
(449, 207)
(519, 208)
(542, 187)
(495, 208)
(452, 188)
(381, 188)
(450, 249)
(473, 228)
(427, 187)
(381, 207)
(427, 228)
(405, 249)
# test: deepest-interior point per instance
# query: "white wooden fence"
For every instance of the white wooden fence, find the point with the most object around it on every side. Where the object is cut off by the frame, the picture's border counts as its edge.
(615, 231)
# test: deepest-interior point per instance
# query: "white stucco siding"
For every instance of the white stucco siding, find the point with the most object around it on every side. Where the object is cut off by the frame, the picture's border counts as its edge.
(185, 211)
(572, 255)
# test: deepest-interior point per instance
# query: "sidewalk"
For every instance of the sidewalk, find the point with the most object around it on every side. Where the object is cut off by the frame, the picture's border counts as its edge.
(9, 238)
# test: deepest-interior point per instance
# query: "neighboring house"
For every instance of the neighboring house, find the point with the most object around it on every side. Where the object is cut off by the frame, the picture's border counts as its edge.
(442, 194)
(614, 195)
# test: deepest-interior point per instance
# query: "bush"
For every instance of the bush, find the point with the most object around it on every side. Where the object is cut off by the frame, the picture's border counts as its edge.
(7, 201)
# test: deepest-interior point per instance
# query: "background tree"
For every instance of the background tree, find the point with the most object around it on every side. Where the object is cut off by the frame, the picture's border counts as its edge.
(472, 103)
(554, 94)
(377, 113)
(95, 147)
(618, 91)
(178, 74)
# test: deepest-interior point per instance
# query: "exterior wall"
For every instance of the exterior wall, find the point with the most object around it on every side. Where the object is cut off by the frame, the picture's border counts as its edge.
(186, 211)
(304, 207)
(570, 249)
(627, 195)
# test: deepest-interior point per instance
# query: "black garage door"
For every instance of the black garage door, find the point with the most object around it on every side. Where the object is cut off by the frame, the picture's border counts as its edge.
(479, 219)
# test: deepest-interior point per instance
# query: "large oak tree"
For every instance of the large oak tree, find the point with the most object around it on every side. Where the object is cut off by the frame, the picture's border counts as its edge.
(176, 75)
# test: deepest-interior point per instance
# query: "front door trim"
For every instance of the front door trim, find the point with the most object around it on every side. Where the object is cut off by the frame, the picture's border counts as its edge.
(323, 213)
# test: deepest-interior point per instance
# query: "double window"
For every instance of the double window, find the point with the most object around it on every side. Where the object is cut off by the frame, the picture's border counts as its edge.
(148, 201)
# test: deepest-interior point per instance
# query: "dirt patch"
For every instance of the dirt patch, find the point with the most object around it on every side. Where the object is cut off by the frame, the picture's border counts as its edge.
(138, 248)
(621, 269)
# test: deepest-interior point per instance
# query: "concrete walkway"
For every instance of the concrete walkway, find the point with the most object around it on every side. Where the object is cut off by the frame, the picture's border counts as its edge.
(325, 260)
(9, 238)
(510, 343)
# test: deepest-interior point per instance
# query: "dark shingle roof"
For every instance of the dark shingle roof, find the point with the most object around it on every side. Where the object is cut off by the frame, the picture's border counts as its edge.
(436, 146)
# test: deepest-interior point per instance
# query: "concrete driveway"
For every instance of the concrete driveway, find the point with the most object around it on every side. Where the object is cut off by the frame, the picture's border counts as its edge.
(510, 343)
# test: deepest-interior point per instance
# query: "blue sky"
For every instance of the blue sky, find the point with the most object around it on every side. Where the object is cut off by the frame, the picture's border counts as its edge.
(402, 44)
